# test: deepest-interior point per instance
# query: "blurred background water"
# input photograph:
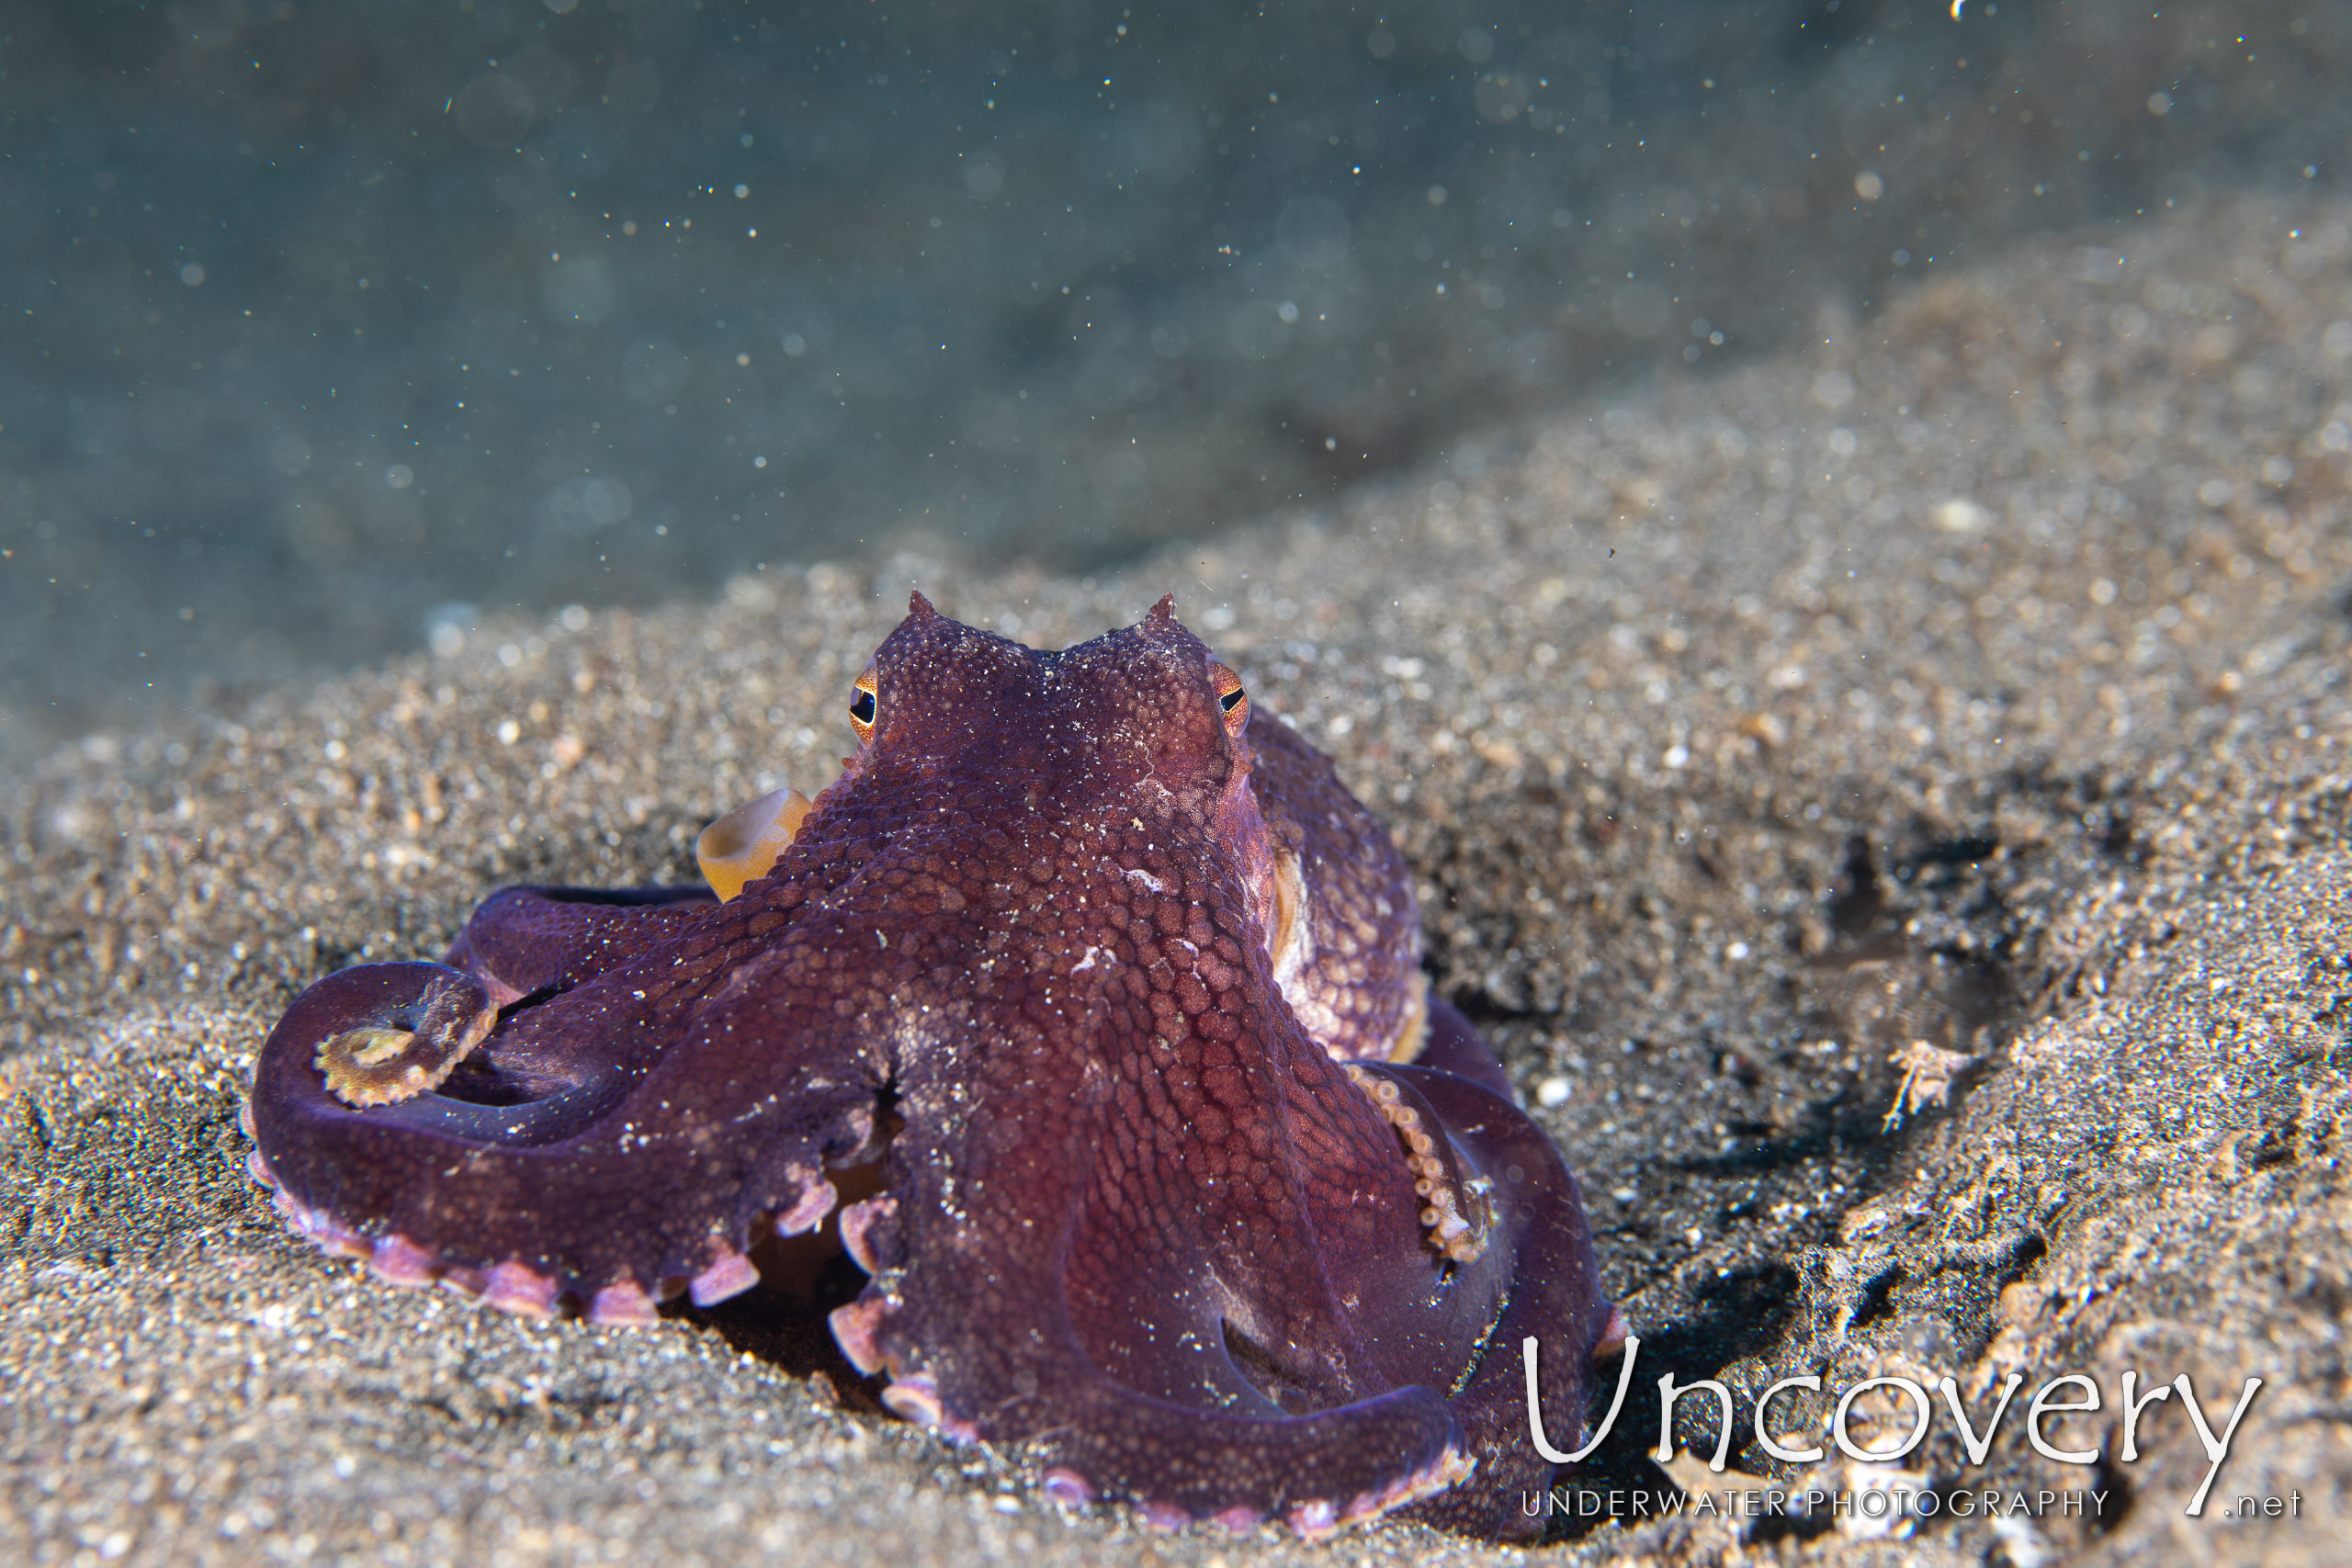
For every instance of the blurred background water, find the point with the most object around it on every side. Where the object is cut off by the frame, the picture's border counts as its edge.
(326, 329)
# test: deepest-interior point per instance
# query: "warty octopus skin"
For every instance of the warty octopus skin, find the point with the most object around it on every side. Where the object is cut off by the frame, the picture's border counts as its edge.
(1111, 996)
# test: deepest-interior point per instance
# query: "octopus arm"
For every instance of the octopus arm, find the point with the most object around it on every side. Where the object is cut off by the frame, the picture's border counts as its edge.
(526, 939)
(1556, 1295)
(1207, 1338)
(1451, 1045)
(1010, 1354)
(606, 1149)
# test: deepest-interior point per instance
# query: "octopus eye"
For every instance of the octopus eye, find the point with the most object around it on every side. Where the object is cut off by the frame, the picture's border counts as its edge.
(863, 704)
(1231, 698)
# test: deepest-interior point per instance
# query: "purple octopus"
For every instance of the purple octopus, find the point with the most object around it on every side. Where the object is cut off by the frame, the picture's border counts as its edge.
(1087, 1015)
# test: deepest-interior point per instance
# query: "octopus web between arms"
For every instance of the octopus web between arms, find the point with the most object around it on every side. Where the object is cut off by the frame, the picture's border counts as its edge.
(1110, 998)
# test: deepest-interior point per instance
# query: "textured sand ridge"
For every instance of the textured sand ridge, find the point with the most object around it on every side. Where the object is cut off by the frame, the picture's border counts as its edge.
(1974, 677)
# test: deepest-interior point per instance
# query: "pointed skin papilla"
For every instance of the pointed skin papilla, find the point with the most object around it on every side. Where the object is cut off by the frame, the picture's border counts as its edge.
(1186, 1181)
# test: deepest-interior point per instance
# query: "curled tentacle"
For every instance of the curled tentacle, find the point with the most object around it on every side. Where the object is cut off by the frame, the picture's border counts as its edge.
(1456, 1212)
(1556, 1295)
(385, 1033)
(574, 1154)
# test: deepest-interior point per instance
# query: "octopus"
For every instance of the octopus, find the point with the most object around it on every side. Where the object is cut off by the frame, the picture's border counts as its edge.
(1086, 1014)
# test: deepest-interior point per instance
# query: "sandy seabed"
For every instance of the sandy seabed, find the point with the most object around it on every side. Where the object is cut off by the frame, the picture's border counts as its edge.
(1972, 678)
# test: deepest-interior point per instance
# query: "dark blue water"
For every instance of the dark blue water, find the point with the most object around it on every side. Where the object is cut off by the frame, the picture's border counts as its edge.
(325, 326)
